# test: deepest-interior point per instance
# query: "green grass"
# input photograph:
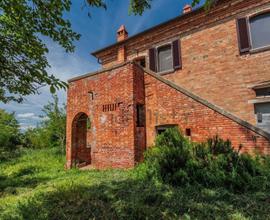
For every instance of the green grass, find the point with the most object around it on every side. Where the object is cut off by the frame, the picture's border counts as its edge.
(36, 186)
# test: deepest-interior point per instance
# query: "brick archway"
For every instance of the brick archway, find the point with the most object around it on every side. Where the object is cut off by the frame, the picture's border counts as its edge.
(81, 153)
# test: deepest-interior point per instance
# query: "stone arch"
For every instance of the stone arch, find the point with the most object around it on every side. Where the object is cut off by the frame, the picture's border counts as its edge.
(81, 152)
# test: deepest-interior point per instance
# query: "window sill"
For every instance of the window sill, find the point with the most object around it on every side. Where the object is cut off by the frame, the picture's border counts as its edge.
(260, 49)
(262, 99)
(166, 72)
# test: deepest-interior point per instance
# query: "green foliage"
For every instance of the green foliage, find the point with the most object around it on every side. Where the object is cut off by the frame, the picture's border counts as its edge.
(23, 25)
(177, 161)
(52, 131)
(22, 58)
(36, 186)
(9, 135)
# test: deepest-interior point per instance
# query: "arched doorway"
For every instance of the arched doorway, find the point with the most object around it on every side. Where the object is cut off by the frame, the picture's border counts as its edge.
(81, 151)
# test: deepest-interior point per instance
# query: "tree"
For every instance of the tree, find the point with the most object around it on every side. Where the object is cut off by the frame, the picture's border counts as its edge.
(55, 122)
(52, 130)
(9, 131)
(23, 23)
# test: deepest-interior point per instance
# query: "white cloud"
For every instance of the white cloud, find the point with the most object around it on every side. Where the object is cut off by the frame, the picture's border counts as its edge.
(26, 115)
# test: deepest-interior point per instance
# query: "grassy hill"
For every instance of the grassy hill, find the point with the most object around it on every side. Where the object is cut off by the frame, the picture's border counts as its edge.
(36, 186)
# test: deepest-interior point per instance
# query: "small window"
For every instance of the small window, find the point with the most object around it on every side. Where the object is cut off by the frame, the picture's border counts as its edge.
(140, 115)
(160, 129)
(262, 92)
(165, 60)
(91, 95)
(188, 132)
(140, 61)
(260, 31)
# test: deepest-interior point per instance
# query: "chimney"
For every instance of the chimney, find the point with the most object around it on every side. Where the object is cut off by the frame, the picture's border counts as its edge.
(187, 9)
(122, 33)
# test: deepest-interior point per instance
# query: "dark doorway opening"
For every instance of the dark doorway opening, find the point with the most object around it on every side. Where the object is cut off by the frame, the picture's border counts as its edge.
(81, 153)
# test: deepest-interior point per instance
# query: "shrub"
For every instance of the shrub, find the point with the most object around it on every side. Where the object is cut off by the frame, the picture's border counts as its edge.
(9, 135)
(177, 161)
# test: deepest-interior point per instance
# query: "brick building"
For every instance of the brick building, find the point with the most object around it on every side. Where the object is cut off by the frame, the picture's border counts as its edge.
(207, 73)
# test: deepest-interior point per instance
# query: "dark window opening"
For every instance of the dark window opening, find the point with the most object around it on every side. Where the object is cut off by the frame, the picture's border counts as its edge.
(259, 117)
(263, 108)
(140, 115)
(263, 92)
(188, 132)
(91, 95)
(141, 61)
(165, 59)
(260, 30)
(161, 128)
(262, 112)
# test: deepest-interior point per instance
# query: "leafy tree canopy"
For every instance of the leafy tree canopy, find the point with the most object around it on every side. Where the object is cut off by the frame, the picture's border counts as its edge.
(23, 62)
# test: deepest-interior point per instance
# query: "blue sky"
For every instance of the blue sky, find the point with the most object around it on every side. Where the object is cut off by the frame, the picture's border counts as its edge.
(97, 31)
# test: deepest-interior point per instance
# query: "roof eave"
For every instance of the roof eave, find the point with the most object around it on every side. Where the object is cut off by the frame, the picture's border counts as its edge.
(182, 16)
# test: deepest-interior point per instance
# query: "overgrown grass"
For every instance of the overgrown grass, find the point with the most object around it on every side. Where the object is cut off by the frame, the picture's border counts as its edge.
(36, 186)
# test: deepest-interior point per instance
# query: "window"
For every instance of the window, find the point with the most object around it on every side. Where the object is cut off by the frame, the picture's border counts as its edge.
(262, 92)
(91, 95)
(263, 108)
(260, 30)
(262, 111)
(188, 132)
(166, 58)
(165, 61)
(140, 61)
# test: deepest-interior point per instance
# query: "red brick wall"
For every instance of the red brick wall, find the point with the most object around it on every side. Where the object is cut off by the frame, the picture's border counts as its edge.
(112, 133)
(213, 69)
(212, 66)
(114, 137)
(166, 105)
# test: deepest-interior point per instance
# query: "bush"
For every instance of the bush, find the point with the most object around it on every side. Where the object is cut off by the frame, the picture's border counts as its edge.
(51, 132)
(177, 161)
(9, 135)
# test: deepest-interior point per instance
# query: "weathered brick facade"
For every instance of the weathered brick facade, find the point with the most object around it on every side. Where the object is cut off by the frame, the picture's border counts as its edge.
(102, 109)
(212, 66)
(108, 99)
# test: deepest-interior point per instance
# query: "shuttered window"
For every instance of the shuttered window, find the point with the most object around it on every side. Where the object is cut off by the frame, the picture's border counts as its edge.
(260, 30)
(152, 59)
(165, 58)
(243, 35)
(177, 62)
(254, 32)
